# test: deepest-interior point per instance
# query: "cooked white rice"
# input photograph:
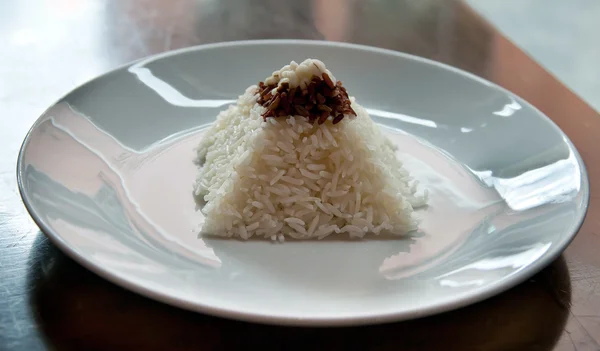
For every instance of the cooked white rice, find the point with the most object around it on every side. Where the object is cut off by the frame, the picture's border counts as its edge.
(288, 178)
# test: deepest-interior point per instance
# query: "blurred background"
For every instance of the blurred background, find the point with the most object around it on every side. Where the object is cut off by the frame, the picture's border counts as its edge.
(558, 34)
(561, 35)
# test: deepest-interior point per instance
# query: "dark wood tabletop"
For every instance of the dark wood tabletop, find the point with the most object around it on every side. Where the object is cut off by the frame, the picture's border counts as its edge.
(49, 302)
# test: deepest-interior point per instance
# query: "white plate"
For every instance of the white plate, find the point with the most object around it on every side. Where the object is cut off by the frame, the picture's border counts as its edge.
(107, 174)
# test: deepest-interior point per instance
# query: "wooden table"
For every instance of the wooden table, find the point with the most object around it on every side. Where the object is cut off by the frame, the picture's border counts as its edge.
(48, 301)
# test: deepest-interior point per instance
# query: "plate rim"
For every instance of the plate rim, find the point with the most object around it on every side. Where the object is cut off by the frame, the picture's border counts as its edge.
(355, 319)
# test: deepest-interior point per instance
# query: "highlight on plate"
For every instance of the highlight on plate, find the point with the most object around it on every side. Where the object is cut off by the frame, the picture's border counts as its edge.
(296, 157)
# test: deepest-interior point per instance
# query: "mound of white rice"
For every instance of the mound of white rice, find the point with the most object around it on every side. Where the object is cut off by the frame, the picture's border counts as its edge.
(286, 177)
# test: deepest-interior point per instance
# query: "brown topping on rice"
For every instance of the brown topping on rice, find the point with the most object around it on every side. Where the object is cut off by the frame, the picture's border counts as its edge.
(317, 102)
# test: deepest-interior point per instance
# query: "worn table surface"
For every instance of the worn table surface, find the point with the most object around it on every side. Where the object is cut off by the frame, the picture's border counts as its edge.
(49, 302)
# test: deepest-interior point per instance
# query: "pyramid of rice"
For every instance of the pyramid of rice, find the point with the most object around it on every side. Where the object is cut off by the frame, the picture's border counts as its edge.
(270, 169)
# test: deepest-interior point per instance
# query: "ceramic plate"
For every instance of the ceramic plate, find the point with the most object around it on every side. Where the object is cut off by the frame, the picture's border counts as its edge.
(107, 174)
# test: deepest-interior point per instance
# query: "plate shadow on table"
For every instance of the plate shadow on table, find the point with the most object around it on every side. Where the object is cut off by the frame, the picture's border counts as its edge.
(77, 310)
